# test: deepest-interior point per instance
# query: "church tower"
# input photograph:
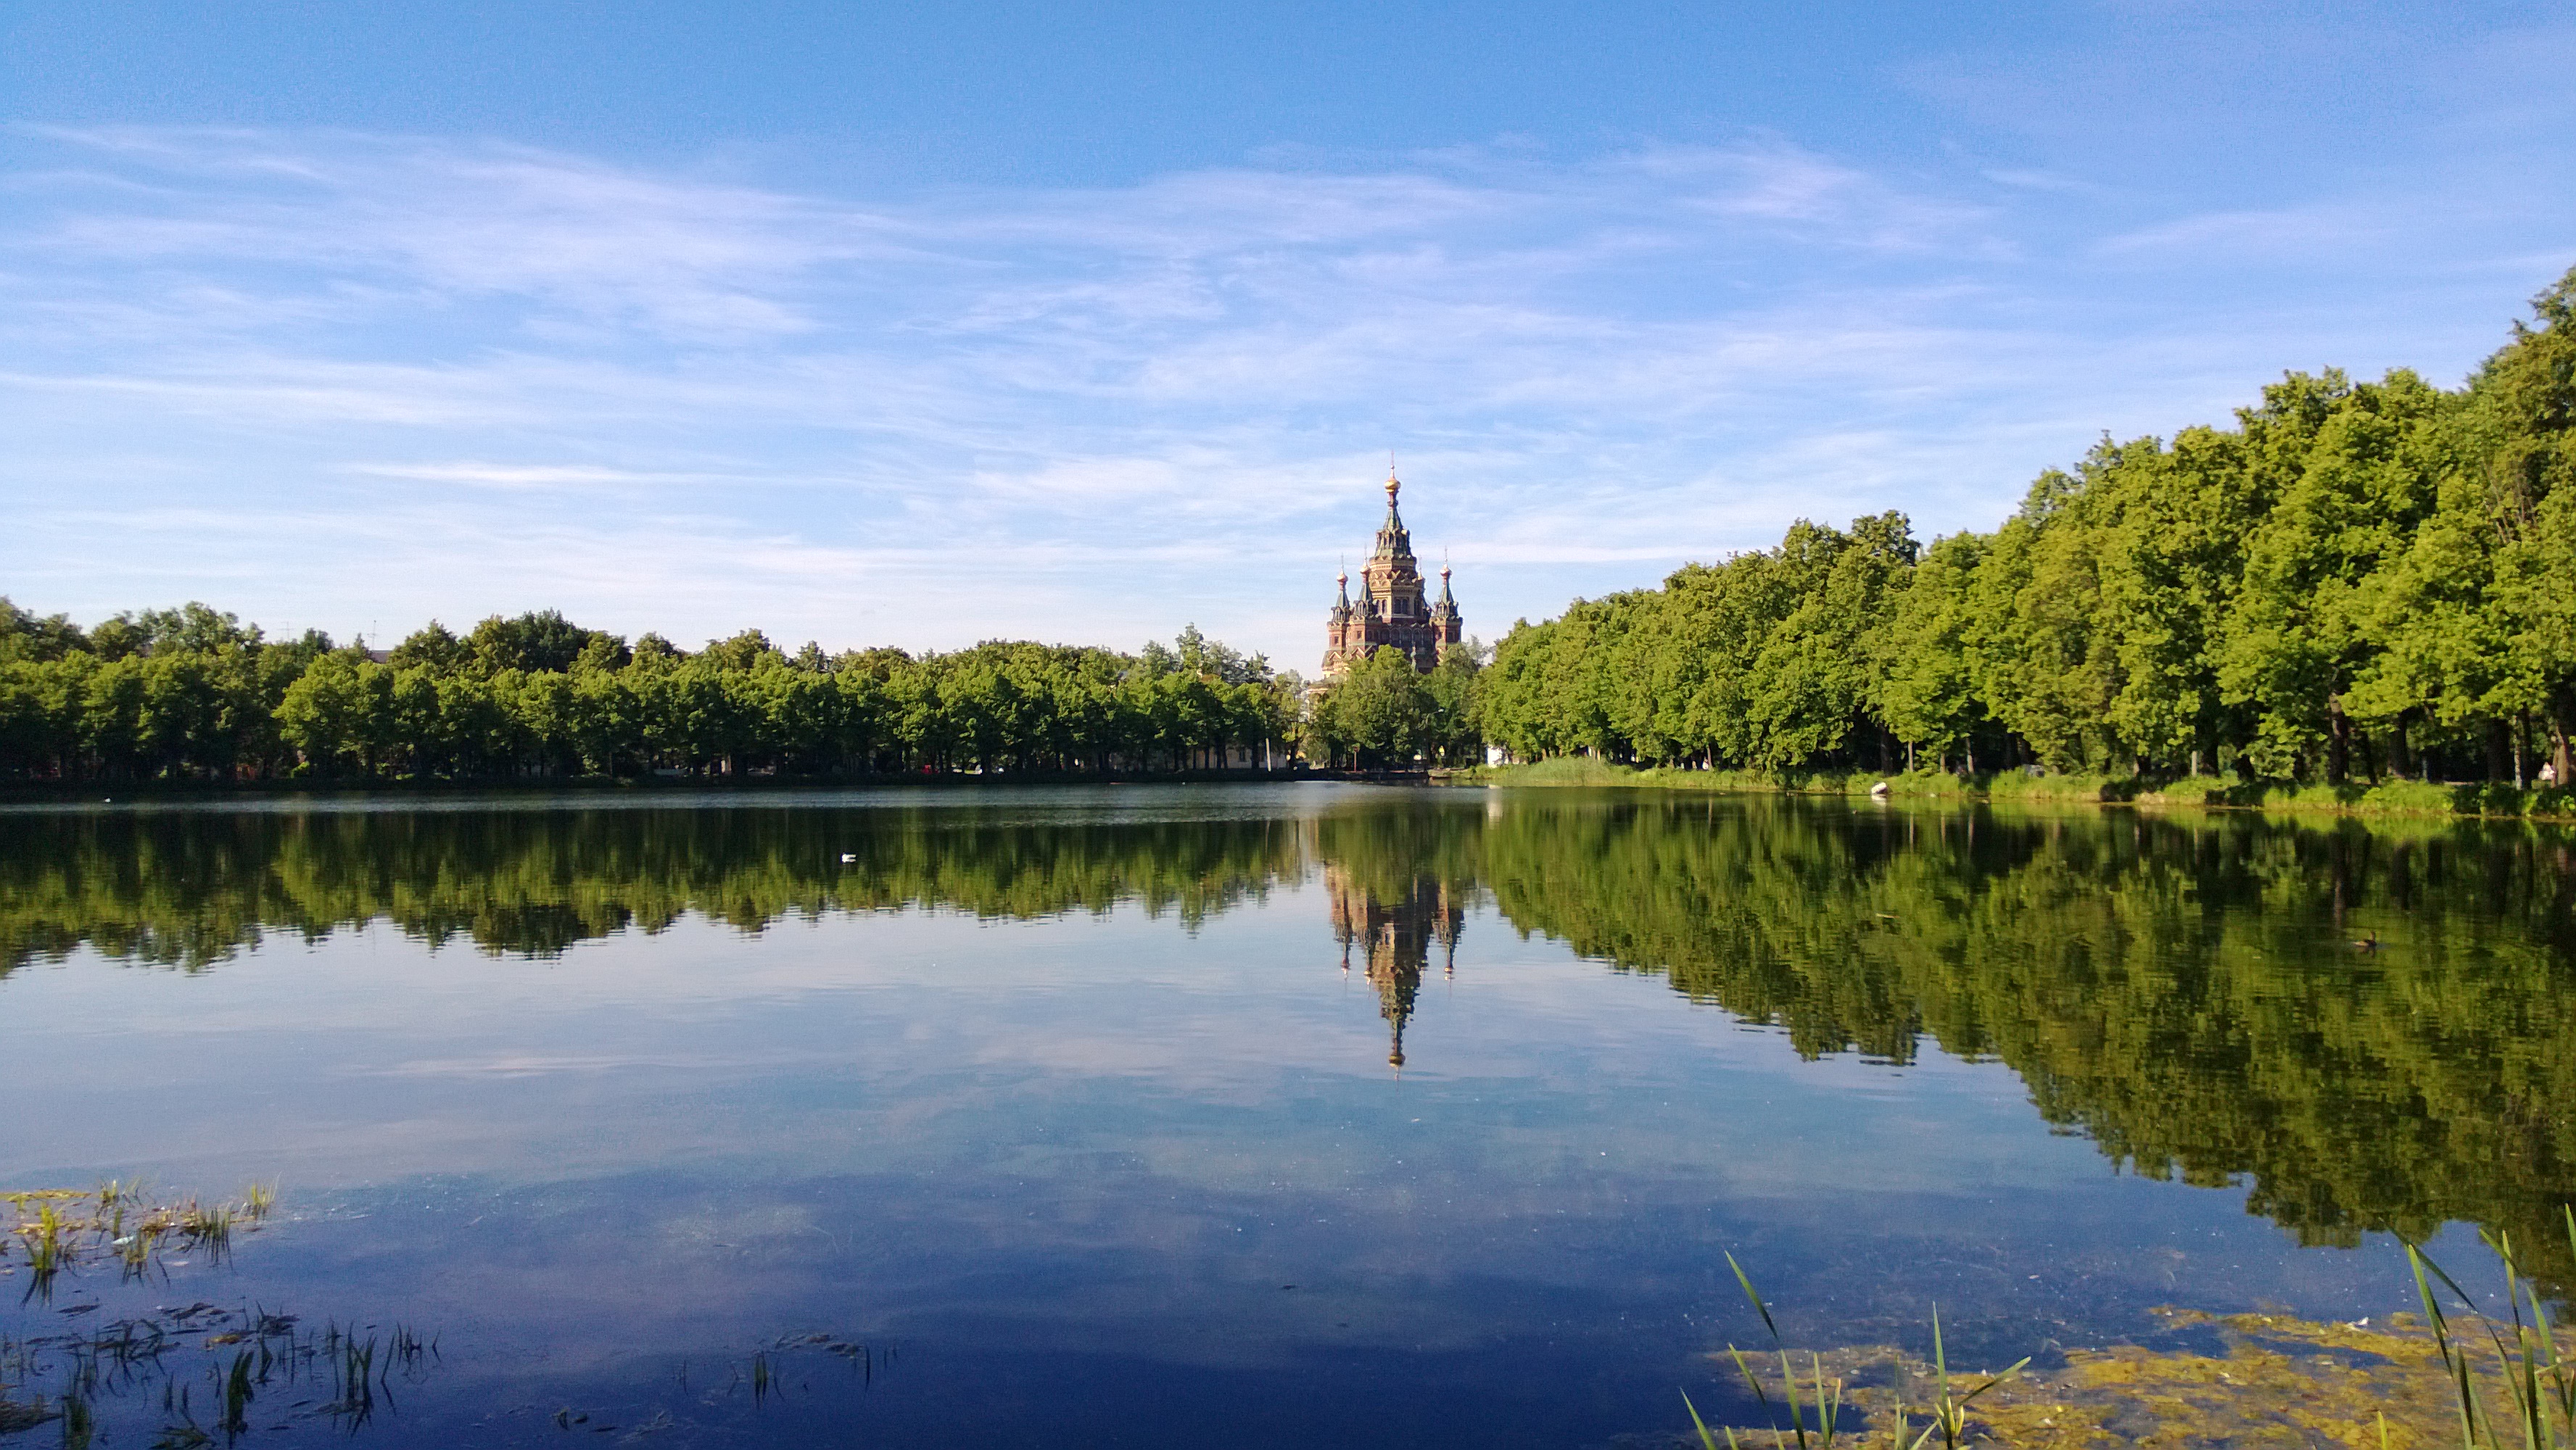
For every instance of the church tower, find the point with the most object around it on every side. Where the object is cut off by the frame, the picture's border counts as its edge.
(1392, 609)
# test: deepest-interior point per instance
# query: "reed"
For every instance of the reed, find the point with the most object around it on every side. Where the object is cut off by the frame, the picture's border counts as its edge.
(1948, 1409)
(2528, 1377)
(61, 1230)
(2492, 1373)
(237, 1396)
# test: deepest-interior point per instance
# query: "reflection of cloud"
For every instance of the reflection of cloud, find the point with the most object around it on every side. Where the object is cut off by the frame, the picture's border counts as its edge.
(1104, 411)
(1048, 1136)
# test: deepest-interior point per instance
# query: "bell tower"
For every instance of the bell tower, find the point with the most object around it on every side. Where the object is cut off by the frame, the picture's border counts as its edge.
(1392, 608)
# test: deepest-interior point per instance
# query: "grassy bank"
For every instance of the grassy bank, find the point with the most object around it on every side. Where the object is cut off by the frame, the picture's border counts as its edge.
(2394, 798)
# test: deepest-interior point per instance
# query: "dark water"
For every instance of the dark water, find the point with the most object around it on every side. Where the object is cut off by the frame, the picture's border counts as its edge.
(1073, 1117)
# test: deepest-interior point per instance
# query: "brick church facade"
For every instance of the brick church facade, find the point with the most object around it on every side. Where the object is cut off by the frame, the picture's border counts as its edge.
(1392, 609)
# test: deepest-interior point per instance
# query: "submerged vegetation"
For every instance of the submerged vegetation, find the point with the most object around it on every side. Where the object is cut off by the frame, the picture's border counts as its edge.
(204, 1365)
(59, 1231)
(2262, 1379)
(2453, 1374)
(193, 1375)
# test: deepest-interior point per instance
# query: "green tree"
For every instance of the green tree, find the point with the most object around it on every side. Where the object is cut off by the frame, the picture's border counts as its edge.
(1381, 712)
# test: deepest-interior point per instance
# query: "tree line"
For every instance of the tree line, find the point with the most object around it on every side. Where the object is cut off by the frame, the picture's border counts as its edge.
(194, 694)
(2357, 580)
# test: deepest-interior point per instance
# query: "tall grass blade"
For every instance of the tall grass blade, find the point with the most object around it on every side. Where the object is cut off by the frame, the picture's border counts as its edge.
(1758, 1306)
(1707, 1441)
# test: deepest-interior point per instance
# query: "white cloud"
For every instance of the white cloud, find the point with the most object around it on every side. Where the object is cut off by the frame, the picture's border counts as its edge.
(401, 377)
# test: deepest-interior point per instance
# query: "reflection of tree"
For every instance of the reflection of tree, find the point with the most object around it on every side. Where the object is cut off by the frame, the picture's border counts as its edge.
(189, 890)
(2181, 990)
(1397, 935)
(2184, 991)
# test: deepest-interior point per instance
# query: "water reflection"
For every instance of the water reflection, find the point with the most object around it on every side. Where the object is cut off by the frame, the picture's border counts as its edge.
(192, 889)
(1397, 938)
(188, 1375)
(2184, 992)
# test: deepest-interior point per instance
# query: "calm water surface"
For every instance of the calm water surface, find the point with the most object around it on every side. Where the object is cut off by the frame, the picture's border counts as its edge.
(1262, 1115)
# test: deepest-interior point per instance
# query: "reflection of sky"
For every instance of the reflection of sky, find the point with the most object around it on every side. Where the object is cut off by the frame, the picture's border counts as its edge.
(1078, 1161)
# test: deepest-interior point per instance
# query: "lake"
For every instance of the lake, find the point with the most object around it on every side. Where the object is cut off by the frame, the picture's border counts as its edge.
(1257, 1115)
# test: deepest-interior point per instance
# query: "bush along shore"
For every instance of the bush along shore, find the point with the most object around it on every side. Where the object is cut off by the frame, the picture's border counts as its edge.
(2389, 798)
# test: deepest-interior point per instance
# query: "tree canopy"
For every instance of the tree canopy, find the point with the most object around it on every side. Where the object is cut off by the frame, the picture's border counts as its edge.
(2357, 579)
(192, 694)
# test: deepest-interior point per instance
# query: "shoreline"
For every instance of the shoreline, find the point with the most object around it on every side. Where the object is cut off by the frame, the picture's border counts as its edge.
(25, 793)
(2395, 800)
(2543, 805)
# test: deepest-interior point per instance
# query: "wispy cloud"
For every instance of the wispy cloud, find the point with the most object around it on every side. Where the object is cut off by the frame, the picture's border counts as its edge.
(397, 377)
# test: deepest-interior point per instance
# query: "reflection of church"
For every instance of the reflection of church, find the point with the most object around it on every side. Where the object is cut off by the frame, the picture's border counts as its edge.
(1398, 938)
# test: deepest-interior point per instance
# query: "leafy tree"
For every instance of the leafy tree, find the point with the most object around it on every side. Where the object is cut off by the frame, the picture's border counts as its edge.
(1380, 712)
(193, 626)
(542, 640)
(430, 647)
(25, 635)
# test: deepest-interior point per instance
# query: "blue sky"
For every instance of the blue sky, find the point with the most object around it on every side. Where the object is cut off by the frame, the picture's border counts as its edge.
(1082, 323)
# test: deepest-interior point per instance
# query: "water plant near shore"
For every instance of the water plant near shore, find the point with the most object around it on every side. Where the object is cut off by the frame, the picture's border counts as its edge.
(2520, 1370)
(2453, 1373)
(60, 1230)
(178, 1364)
(1948, 1409)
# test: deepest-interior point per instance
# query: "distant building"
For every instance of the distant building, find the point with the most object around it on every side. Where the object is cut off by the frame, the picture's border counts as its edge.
(1391, 609)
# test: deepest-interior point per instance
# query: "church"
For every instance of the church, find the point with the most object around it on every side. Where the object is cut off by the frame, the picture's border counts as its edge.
(1391, 608)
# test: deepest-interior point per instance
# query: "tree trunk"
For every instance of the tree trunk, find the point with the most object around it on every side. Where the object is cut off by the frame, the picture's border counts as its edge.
(2561, 763)
(2401, 761)
(2338, 741)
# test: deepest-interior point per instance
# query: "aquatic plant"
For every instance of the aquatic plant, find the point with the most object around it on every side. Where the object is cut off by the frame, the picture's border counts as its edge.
(59, 1229)
(171, 1365)
(1948, 1408)
(2522, 1370)
(2491, 1380)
